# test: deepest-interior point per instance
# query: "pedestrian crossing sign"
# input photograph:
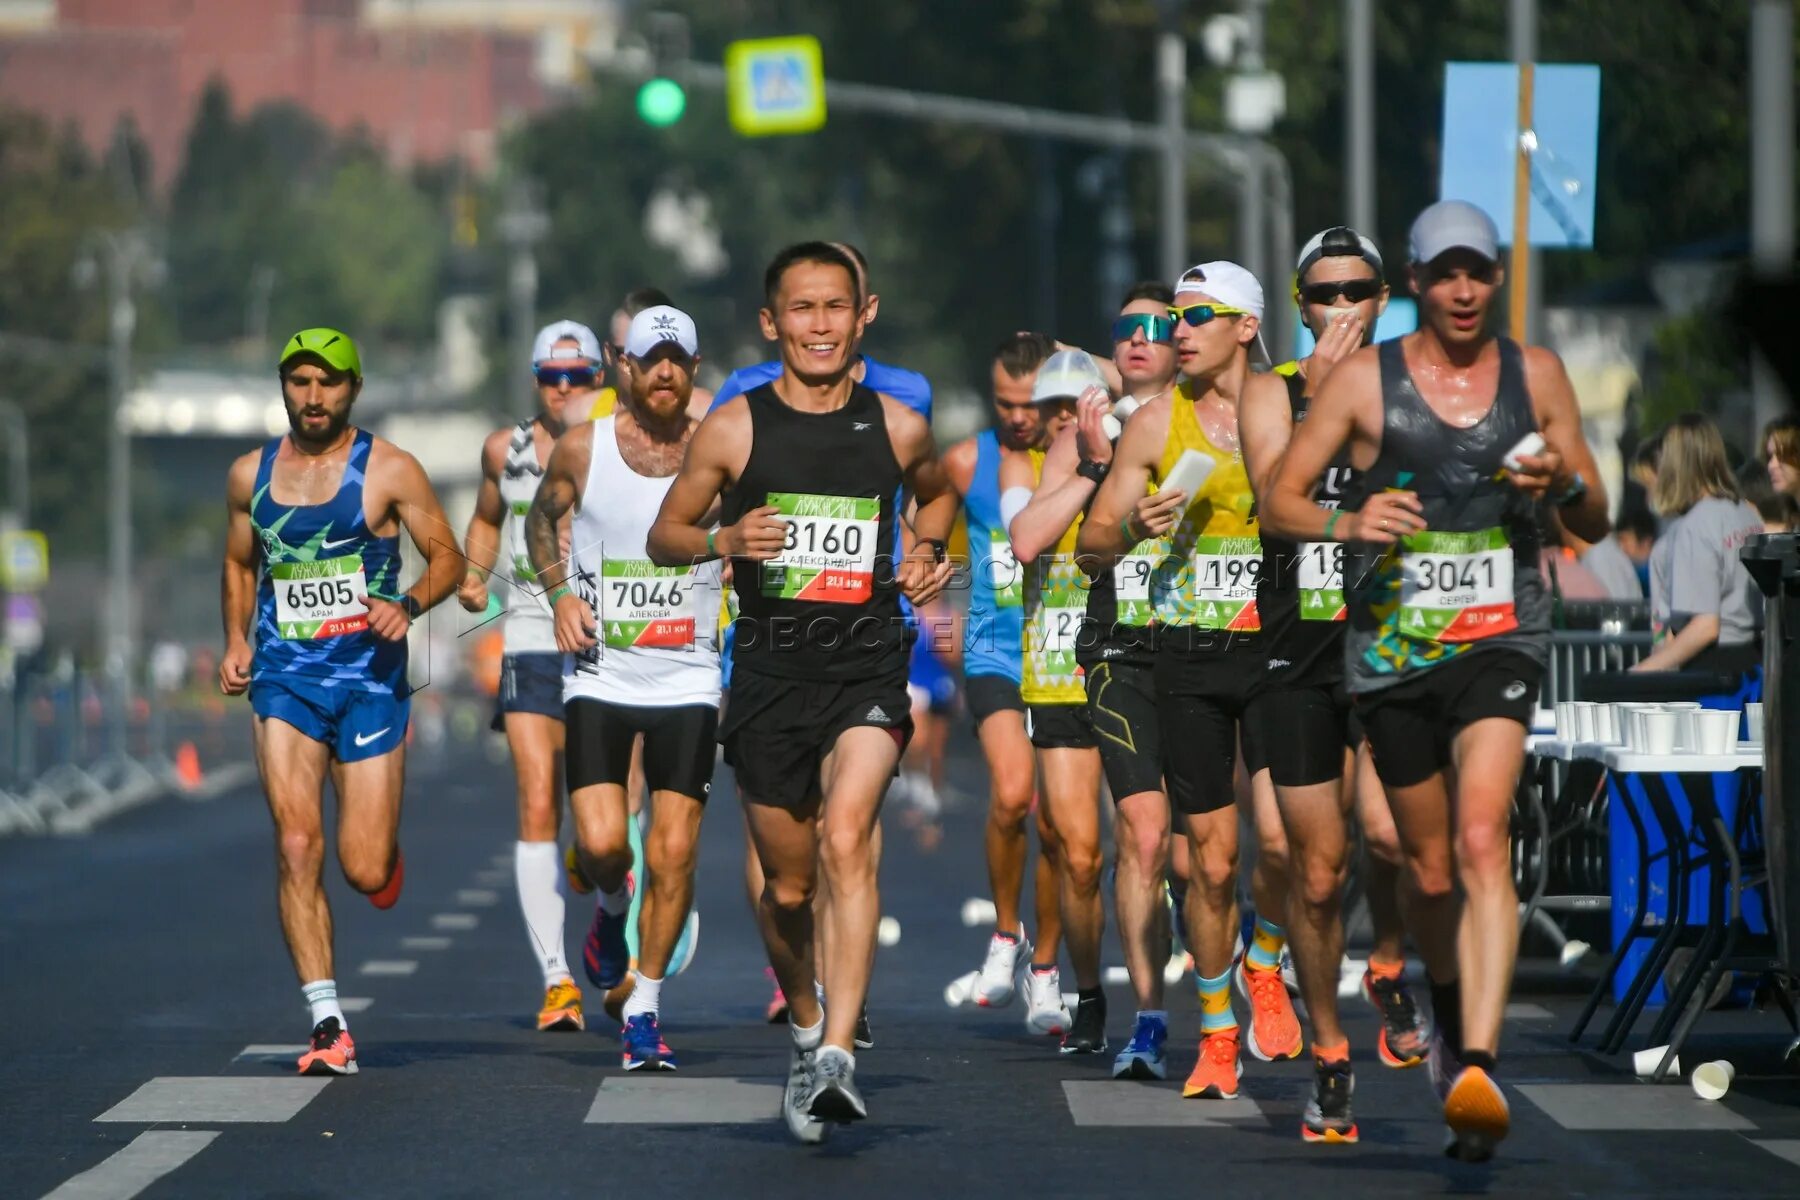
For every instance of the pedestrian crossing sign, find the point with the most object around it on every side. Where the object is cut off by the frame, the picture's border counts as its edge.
(776, 85)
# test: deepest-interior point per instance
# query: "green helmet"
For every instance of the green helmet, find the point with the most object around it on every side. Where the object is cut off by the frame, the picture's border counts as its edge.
(330, 346)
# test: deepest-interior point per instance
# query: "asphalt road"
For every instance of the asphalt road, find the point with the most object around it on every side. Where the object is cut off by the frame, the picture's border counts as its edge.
(141, 966)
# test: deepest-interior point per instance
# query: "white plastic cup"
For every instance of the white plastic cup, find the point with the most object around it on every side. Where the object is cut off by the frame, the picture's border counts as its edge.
(1645, 1062)
(1753, 722)
(1715, 732)
(1684, 711)
(1606, 724)
(1711, 1080)
(1659, 732)
(888, 932)
(960, 989)
(1565, 720)
(977, 911)
(1584, 720)
(1622, 723)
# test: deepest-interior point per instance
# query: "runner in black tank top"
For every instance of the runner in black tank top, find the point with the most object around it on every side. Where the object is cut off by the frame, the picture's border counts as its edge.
(808, 468)
(1446, 634)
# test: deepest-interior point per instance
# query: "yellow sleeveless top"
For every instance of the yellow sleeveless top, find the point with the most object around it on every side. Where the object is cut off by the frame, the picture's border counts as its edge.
(1055, 603)
(1216, 541)
(605, 401)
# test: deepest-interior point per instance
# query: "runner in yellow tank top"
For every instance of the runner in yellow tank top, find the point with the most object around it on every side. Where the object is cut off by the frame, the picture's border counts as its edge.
(1209, 654)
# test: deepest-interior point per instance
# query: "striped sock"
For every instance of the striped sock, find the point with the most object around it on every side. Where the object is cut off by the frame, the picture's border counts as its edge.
(1265, 946)
(1215, 1003)
(321, 996)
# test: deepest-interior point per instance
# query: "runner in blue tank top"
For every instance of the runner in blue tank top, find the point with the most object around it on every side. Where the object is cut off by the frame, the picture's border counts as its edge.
(315, 629)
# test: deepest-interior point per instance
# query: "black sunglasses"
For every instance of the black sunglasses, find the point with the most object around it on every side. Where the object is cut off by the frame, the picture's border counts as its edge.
(1354, 290)
(578, 377)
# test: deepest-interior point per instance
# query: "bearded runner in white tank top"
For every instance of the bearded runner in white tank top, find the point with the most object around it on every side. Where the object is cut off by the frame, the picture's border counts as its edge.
(642, 660)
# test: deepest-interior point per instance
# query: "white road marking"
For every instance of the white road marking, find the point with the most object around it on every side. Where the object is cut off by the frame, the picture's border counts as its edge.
(388, 966)
(1783, 1148)
(277, 1050)
(456, 921)
(134, 1167)
(477, 897)
(1134, 1105)
(424, 943)
(352, 1004)
(673, 1100)
(1629, 1105)
(221, 1099)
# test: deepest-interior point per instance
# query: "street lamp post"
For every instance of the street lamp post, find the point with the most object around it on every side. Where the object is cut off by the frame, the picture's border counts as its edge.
(523, 224)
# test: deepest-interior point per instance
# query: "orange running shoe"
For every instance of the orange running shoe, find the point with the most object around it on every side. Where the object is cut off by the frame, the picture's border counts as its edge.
(1274, 1030)
(389, 895)
(1215, 1076)
(1477, 1114)
(578, 880)
(562, 1007)
(332, 1053)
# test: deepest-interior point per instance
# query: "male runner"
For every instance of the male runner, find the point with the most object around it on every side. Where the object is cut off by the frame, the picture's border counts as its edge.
(565, 360)
(315, 629)
(1114, 649)
(618, 371)
(1448, 627)
(1043, 527)
(1302, 706)
(644, 662)
(811, 469)
(1209, 655)
(992, 638)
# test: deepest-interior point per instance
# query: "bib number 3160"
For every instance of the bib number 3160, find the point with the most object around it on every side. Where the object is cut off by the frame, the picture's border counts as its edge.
(829, 552)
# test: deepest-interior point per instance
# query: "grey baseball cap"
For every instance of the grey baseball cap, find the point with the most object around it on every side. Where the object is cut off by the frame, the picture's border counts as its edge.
(1454, 225)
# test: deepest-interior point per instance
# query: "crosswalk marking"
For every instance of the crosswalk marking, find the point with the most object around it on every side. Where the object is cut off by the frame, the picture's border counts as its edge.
(1108, 1102)
(388, 966)
(215, 1099)
(674, 1100)
(351, 1004)
(1783, 1148)
(492, 877)
(273, 1050)
(455, 921)
(140, 1163)
(1519, 1011)
(477, 897)
(1632, 1107)
(424, 943)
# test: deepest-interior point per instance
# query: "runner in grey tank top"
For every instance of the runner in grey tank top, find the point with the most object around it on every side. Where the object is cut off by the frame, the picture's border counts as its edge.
(1448, 621)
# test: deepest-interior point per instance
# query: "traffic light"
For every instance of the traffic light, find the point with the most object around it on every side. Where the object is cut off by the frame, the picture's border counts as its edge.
(661, 101)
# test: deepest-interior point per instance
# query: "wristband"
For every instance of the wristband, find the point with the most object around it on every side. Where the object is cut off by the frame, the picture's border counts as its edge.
(1125, 525)
(410, 603)
(710, 552)
(1331, 522)
(558, 592)
(938, 548)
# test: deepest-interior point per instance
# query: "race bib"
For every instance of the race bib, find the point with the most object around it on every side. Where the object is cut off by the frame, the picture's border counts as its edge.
(644, 605)
(1054, 630)
(1132, 576)
(1007, 578)
(1321, 580)
(1226, 570)
(829, 553)
(522, 569)
(317, 600)
(1456, 587)
(1055, 609)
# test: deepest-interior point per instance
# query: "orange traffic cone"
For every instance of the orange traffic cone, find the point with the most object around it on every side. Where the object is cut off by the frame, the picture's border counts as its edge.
(187, 766)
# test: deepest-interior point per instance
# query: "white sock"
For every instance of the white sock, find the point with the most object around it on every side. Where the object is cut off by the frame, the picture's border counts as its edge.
(646, 997)
(616, 904)
(321, 997)
(538, 869)
(808, 1037)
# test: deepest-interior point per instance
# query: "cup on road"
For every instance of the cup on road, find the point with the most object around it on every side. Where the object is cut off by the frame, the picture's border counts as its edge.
(977, 911)
(960, 989)
(1753, 722)
(1715, 732)
(1645, 1062)
(1712, 1080)
(1659, 732)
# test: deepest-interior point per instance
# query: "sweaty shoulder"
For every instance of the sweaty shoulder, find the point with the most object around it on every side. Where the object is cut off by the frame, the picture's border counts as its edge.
(240, 480)
(1542, 365)
(394, 471)
(960, 461)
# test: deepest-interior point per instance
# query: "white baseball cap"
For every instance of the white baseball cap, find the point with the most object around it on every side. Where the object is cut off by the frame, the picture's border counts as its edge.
(1232, 286)
(1066, 374)
(654, 326)
(543, 347)
(1454, 225)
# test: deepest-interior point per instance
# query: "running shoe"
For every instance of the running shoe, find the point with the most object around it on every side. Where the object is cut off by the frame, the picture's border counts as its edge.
(1290, 975)
(1477, 1114)
(1441, 1068)
(1143, 1056)
(605, 953)
(682, 957)
(796, 1095)
(389, 895)
(1044, 1011)
(578, 880)
(332, 1053)
(998, 980)
(1087, 1032)
(778, 1005)
(865, 1037)
(562, 1007)
(834, 1096)
(1327, 1119)
(1405, 1037)
(1216, 1075)
(644, 1048)
(1274, 1030)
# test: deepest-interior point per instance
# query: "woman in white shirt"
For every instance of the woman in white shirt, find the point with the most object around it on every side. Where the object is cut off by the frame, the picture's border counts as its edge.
(1704, 608)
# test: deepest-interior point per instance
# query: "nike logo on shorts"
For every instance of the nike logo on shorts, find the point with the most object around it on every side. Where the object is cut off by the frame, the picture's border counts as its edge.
(363, 739)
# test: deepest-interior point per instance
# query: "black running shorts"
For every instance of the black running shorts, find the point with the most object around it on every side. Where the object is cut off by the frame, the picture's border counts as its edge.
(1306, 731)
(678, 745)
(1413, 724)
(1203, 700)
(778, 731)
(1059, 727)
(990, 694)
(1122, 709)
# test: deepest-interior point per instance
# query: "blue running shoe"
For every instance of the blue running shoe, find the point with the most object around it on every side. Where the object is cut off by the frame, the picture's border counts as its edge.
(1142, 1057)
(644, 1047)
(606, 954)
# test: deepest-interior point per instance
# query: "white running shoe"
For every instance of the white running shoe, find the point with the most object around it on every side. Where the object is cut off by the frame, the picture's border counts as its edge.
(1006, 958)
(1044, 1010)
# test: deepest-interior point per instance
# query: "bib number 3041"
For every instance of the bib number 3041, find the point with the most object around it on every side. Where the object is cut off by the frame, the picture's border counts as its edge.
(829, 552)
(315, 600)
(1457, 587)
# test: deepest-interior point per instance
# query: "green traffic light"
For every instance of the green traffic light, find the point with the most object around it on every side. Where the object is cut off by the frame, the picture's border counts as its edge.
(661, 102)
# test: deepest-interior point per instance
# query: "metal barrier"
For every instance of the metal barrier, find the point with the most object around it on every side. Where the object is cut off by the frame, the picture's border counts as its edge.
(1576, 654)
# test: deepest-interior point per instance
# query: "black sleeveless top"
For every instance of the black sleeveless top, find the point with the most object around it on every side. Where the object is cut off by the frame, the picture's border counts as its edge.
(1479, 529)
(828, 607)
(1305, 629)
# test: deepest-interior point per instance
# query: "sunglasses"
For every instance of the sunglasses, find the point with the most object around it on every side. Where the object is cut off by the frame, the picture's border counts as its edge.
(1155, 328)
(1354, 290)
(1199, 314)
(577, 377)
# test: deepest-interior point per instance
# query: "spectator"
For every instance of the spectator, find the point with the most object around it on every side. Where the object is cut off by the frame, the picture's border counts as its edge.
(1781, 453)
(1780, 513)
(1621, 560)
(1704, 611)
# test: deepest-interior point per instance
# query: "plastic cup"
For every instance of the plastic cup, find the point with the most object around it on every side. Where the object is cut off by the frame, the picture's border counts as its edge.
(1606, 724)
(1711, 1080)
(1684, 725)
(1715, 732)
(977, 911)
(1622, 723)
(1565, 720)
(959, 990)
(1753, 722)
(1659, 732)
(1584, 720)
(1645, 1062)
